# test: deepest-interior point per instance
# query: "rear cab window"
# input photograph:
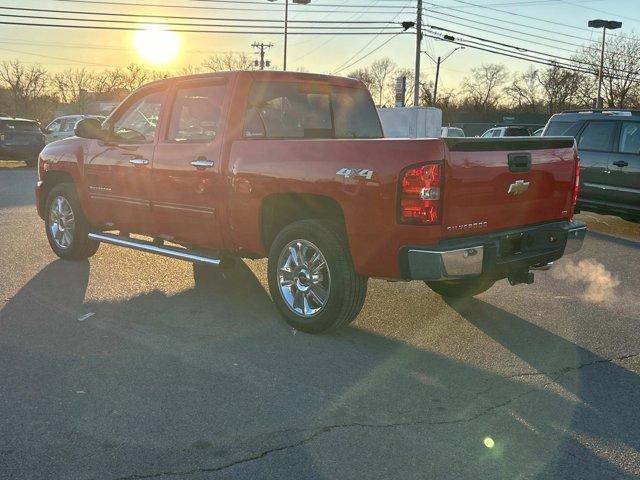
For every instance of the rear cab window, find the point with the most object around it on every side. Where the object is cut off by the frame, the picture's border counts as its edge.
(310, 110)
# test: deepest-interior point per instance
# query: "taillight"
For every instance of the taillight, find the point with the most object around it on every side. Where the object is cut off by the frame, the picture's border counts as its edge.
(576, 186)
(420, 195)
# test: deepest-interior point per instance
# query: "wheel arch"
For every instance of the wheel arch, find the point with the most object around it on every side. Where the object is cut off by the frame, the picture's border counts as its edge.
(49, 180)
(282, 209)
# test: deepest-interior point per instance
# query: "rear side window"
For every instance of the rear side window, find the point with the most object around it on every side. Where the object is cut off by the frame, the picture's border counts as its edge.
(196, 114)
(597, 136)
(557, 129)
(630, 138)
(303, 110)
(18, 126)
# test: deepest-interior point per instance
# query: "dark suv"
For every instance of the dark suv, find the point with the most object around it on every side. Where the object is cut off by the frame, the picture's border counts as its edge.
(609, 147)
(20, 139)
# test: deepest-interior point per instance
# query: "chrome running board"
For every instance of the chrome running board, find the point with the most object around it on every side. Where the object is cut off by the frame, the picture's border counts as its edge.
(149, 247)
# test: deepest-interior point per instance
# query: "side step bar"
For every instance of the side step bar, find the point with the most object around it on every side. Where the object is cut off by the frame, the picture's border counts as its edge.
(172, 252)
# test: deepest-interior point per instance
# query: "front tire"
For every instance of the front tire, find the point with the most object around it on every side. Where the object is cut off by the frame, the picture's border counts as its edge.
(457, 289)
(67, 227)
(311, 277)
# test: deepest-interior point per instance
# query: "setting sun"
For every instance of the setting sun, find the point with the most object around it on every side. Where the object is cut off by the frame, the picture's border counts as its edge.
(157, 46)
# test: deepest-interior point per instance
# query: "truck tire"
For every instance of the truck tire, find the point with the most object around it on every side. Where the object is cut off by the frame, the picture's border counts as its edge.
(66, 225)
(311, 277)
(455, 289)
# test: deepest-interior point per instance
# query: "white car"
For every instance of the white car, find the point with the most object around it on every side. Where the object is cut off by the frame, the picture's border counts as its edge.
(63, 127)
(446, 132)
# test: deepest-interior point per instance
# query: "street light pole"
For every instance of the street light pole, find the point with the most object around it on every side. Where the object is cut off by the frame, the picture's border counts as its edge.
(286, 25)
(604, 24)
(286, 31)
(416, 82)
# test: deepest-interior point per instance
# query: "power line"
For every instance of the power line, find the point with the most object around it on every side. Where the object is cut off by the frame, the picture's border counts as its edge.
(340, 67)
(181, 24)
(226, 19)
(523, 56)
(367, 54)
(182, 30)
(202, 7)
(521, 15)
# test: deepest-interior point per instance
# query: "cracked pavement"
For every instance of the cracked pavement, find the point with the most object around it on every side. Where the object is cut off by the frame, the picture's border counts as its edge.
(165, 381)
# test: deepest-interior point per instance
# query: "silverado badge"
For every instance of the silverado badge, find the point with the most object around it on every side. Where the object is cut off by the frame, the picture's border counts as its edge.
(518, 188)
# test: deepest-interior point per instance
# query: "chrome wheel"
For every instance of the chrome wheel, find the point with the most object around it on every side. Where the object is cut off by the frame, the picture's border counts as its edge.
(304, 278)
(61, 222)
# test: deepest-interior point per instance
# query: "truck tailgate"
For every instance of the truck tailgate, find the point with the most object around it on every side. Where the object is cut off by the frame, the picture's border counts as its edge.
(495, 184)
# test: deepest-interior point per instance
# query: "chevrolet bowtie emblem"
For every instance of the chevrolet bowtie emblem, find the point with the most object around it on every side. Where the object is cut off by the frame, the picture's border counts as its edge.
(518, 188)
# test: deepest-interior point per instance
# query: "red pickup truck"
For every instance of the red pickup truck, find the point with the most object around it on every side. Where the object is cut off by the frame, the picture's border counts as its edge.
(294, 167)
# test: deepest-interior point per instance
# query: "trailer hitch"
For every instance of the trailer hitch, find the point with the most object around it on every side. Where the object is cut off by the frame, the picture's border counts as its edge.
(523, 276)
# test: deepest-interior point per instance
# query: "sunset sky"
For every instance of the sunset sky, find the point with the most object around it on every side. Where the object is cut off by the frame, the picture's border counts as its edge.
(543, 20)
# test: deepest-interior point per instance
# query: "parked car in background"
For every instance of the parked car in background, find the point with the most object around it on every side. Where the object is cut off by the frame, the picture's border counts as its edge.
(609, 147)
(294, 167)
(452, 132)
(62, 127)
(498, 132)
(538, 133)
(20, 139)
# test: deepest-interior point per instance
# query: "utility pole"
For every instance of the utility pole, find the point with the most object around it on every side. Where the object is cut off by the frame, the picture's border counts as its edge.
(262, 47)
(435, 87)
(439, 62)
(416, 83)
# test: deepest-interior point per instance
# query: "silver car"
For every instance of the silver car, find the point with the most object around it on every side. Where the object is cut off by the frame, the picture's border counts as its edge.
(63, 127)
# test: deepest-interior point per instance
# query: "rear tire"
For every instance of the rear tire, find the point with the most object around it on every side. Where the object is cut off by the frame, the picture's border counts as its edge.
(455, 289)
(66, 225)
(311, 277)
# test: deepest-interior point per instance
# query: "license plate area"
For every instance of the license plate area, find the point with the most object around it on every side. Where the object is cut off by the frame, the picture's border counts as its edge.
(526, 244)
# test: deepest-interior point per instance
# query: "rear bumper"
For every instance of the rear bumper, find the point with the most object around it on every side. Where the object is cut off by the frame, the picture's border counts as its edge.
(495, 255)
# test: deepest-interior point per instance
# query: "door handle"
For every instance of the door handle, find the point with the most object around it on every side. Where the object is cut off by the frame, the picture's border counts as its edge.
(621, 163)
(203, 163)
(139, 161)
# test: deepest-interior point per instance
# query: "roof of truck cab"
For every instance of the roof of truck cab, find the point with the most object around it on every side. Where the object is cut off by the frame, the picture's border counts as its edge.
(267, 75)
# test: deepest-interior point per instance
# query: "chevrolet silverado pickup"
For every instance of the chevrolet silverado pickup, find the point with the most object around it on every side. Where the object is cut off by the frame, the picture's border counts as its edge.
(295, 167)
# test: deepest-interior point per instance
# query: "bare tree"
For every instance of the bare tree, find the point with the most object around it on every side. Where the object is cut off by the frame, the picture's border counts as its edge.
(229, 61)
(483, 88)
(560, 88)
(525, 91)
(621, 79)
(25, 83)
(381, 70)
(72, 86)
(364, 75)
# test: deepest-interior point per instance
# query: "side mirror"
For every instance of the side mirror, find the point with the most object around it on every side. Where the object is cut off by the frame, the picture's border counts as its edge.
(90, 128)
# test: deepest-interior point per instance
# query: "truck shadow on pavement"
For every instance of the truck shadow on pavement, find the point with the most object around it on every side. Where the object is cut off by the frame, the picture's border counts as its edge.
(210, 381)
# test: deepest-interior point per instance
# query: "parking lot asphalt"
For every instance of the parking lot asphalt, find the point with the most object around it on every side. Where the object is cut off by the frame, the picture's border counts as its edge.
(119, 368)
